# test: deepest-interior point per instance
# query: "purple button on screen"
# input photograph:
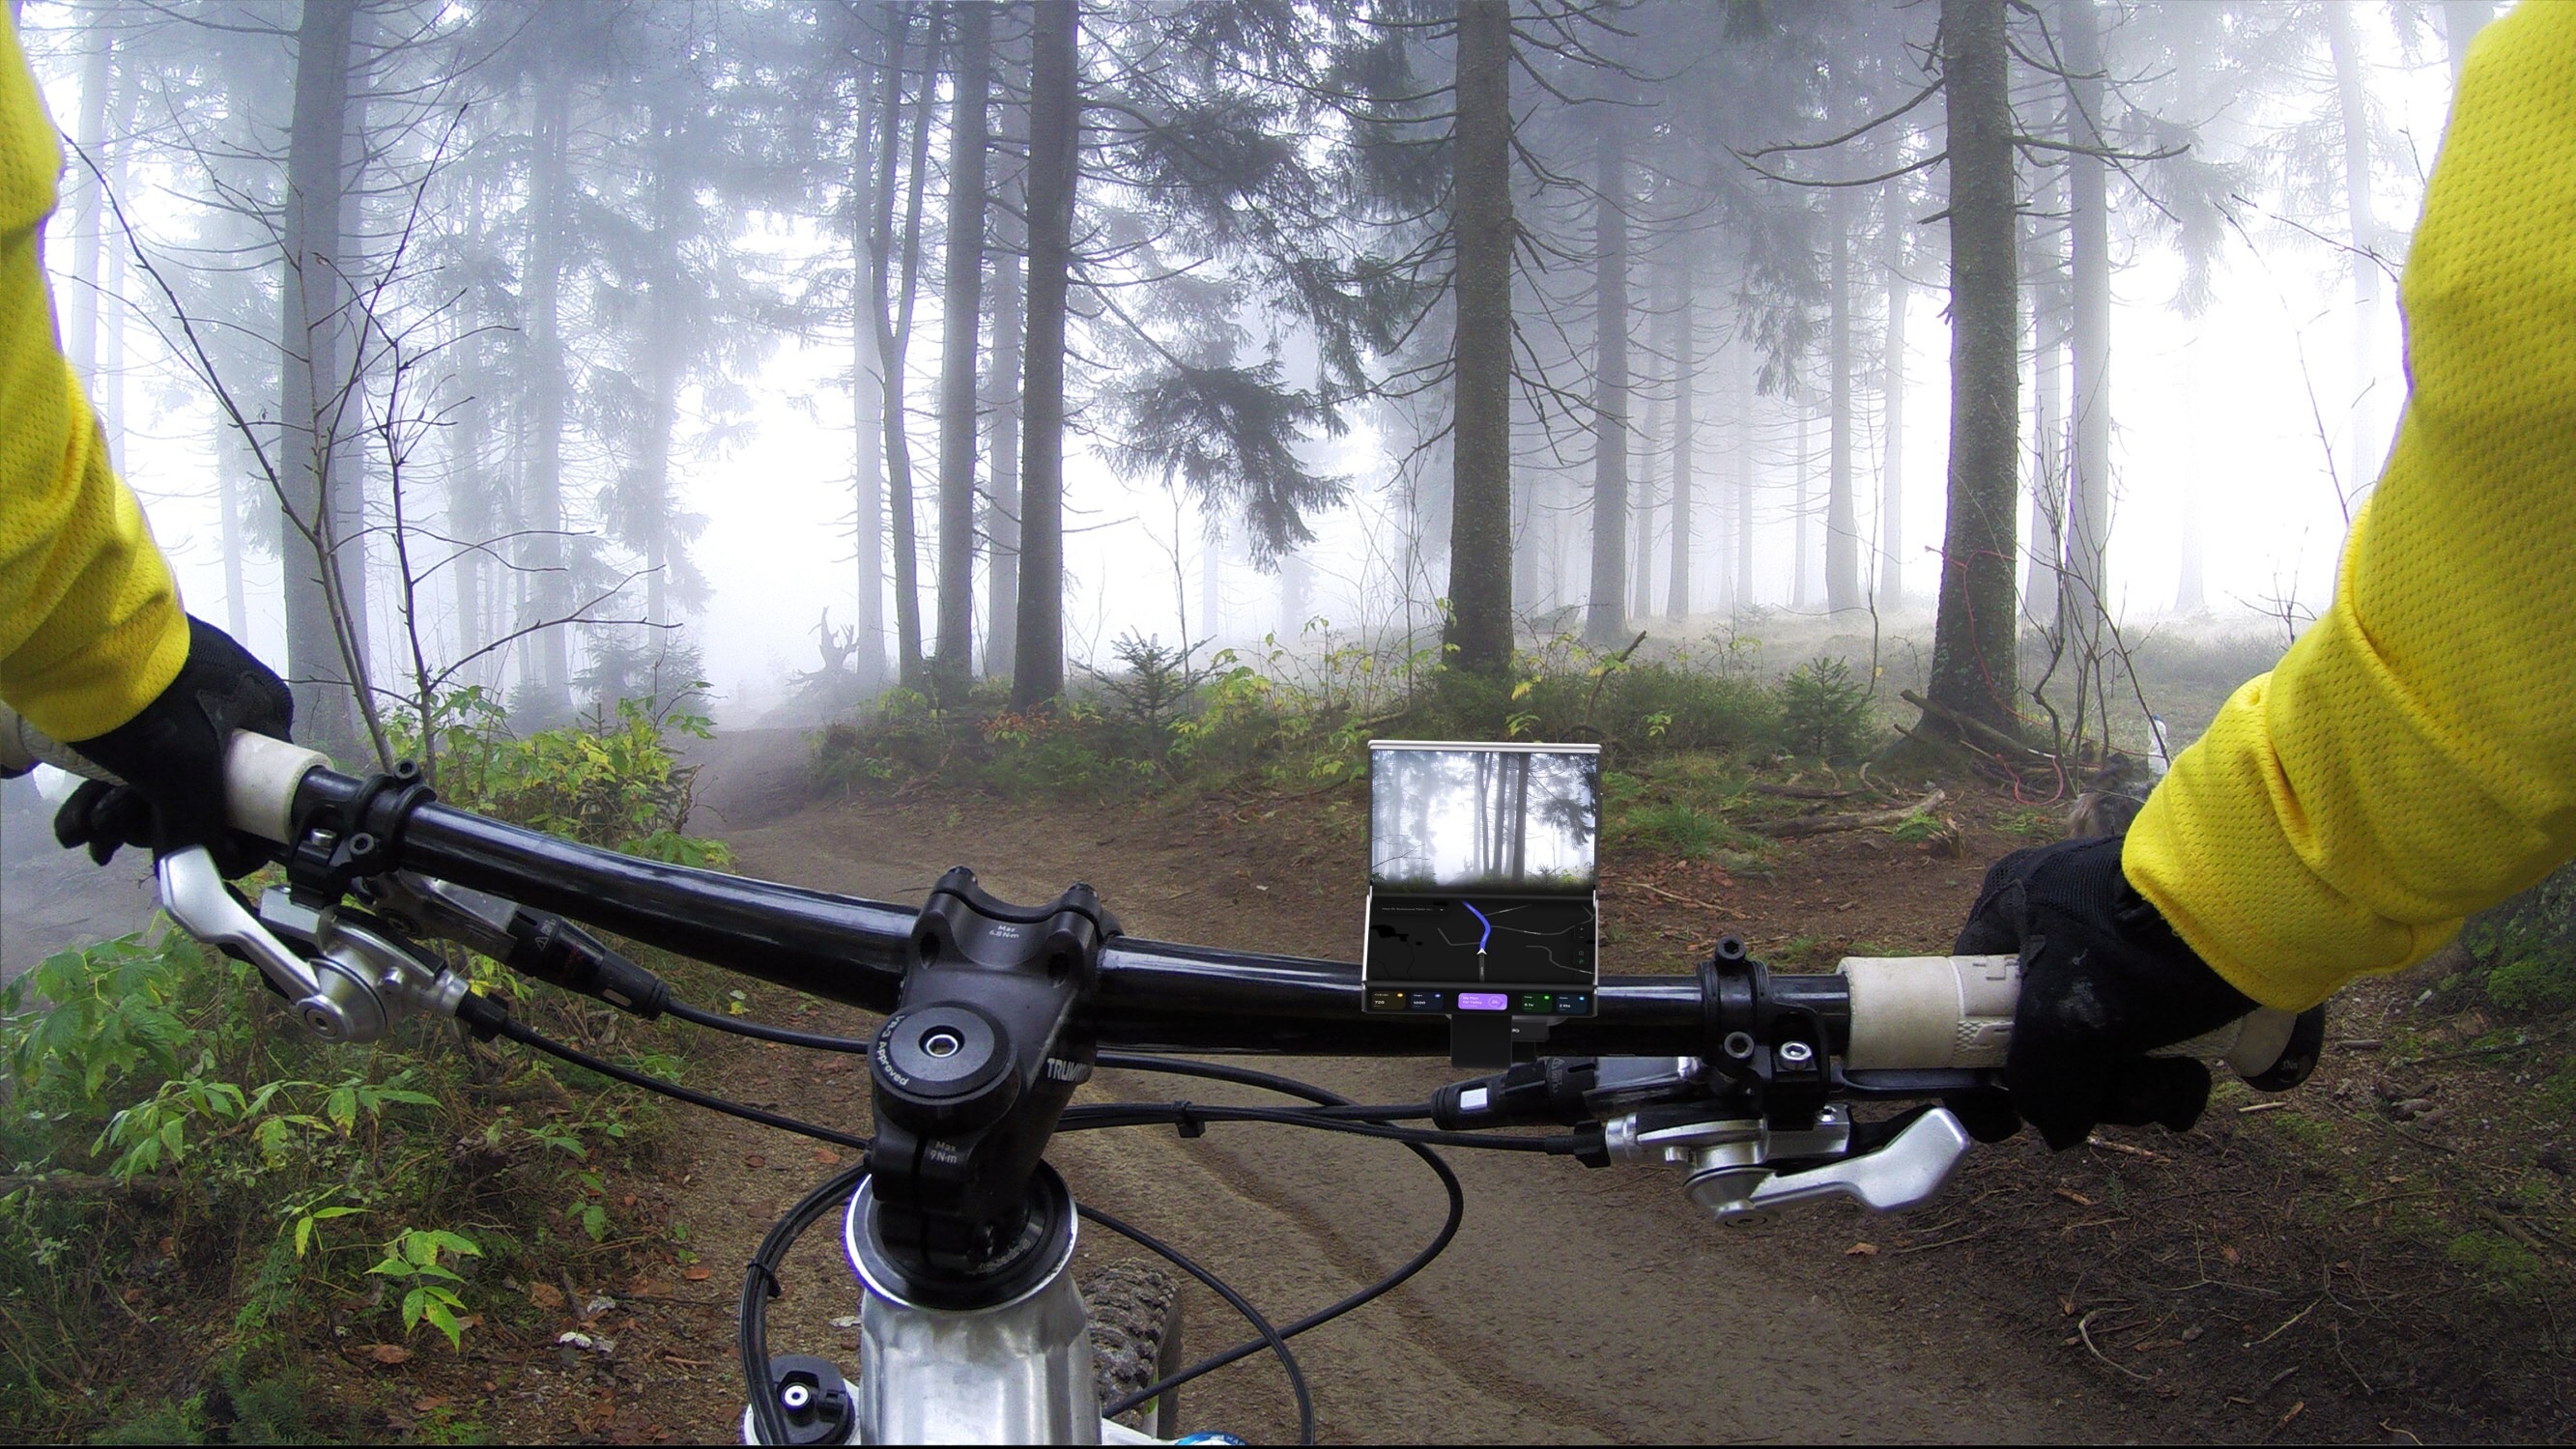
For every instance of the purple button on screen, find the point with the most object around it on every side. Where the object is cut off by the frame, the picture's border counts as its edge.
(1483, 1001)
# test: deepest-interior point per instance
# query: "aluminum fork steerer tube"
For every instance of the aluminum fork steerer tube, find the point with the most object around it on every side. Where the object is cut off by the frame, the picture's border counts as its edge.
(1017, 1371)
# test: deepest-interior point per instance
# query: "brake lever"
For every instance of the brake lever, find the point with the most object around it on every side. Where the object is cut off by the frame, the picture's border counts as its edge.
(1911, 1169)
(359, 980)
(194, 894)
(1730, 1160)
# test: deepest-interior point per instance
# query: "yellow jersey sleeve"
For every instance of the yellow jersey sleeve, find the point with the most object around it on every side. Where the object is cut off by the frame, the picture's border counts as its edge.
(90, 624)
(2413, 756)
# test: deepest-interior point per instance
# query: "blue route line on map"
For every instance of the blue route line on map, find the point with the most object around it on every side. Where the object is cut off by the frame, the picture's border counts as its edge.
(1488, 925)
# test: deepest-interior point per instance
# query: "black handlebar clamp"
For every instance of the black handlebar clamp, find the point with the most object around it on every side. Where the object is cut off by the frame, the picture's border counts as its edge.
(349, 832)
(984, 1048)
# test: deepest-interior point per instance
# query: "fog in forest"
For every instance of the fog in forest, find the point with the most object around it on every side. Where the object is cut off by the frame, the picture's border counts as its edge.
(576, 351)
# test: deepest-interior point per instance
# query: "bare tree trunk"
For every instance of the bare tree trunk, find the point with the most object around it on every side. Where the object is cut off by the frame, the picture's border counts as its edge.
(1055, 119)
(652, 512)
(872, 150)
(2369, 439)
(1743, 590)
(2083, 616)
(1842, 508)
(2048, 480)
(317, 663)
(1605, 621)
(961, 315)
(1296, 589)
(544, 554)
(1685, 439)
(1529, 544)
(1480, 492)
(231, 466)
(107, 389)
(1002, 387)
(469, 487)
(1211, 592)
(1641, 546)
(2191, 588)
(2461, 22)
(1891, 476)
(1802, 591)
(898, 425)
(1973, 668)
(78, 306)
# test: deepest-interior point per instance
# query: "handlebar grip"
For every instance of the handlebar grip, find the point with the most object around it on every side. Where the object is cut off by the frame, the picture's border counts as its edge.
(260, 774)
(1936, 1012)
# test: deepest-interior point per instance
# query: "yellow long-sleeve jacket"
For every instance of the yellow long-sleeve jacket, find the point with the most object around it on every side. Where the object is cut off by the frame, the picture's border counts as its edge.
(2413, 757)
(90, 625)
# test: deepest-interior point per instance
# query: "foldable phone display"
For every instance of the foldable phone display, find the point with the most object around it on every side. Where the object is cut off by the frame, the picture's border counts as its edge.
(1481, 879)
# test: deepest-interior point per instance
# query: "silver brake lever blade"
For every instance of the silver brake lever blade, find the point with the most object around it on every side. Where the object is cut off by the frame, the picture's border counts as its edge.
(1911, 1168)
(192, 891)
(473, 919)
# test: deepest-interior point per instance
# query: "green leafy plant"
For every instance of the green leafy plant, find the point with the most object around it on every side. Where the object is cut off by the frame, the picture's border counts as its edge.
(110, 1014)
(602, 781)
(412, 1262)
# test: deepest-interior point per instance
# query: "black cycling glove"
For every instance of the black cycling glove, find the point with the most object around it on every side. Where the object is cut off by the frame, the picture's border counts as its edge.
(171, 758)
(2104, 981)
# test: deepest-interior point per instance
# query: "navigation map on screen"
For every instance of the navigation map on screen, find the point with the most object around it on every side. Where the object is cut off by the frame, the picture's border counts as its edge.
(1481, 876)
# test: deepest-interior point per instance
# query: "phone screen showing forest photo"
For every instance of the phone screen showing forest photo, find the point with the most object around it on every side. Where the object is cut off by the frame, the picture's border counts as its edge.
(1482, 878)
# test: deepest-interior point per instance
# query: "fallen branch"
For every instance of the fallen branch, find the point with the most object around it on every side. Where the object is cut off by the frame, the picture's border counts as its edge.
(1806, 792)
(1684, 900)
(2124, 1149)
(2284, 1328)
(2084, 1331)
(1825, 824)
(2519, 1234)
(1979, 728)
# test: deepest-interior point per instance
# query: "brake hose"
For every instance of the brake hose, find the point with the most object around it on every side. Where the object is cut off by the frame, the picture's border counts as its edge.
(760, 1275)
(1290, 1087)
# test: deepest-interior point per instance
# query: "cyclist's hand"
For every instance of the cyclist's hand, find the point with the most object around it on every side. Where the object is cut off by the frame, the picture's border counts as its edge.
(2104, 981)
(171, 757)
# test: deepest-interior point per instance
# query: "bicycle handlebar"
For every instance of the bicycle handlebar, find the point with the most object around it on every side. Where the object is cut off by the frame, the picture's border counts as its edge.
(1917, 1014)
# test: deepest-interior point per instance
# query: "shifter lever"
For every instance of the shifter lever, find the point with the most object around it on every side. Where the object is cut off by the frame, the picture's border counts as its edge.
(1909, 1170)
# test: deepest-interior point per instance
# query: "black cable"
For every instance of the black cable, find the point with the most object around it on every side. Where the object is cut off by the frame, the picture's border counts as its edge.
(1290, 1087)
(1154, 1114)
(1271, 1338)
(717, 1021)
(760, 1284)
(519, 1032)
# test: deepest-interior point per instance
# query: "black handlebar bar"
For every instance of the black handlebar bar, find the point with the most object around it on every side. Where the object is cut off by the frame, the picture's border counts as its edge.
(1151, 995)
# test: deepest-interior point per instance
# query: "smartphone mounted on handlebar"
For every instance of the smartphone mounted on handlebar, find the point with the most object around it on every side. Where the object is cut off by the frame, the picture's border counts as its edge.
(1483, 893)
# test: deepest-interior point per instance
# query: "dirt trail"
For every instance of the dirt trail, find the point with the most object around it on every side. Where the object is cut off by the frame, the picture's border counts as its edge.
(1575, 1304)
(51, 898)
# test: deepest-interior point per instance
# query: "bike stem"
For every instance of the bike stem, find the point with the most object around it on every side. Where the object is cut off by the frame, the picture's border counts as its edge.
(972, 1070)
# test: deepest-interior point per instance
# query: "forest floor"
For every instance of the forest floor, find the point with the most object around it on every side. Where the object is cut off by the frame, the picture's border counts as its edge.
(2303, 1268)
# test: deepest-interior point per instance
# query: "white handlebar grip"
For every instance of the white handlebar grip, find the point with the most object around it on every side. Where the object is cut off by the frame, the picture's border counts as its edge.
(1952, 1012)
(260, 774)
(260, 780)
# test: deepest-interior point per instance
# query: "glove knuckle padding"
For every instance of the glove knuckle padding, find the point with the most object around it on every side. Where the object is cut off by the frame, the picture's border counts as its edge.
(171, 757)
(2104, 981)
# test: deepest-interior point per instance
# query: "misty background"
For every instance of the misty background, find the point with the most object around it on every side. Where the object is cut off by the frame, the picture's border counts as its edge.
(569, 333)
